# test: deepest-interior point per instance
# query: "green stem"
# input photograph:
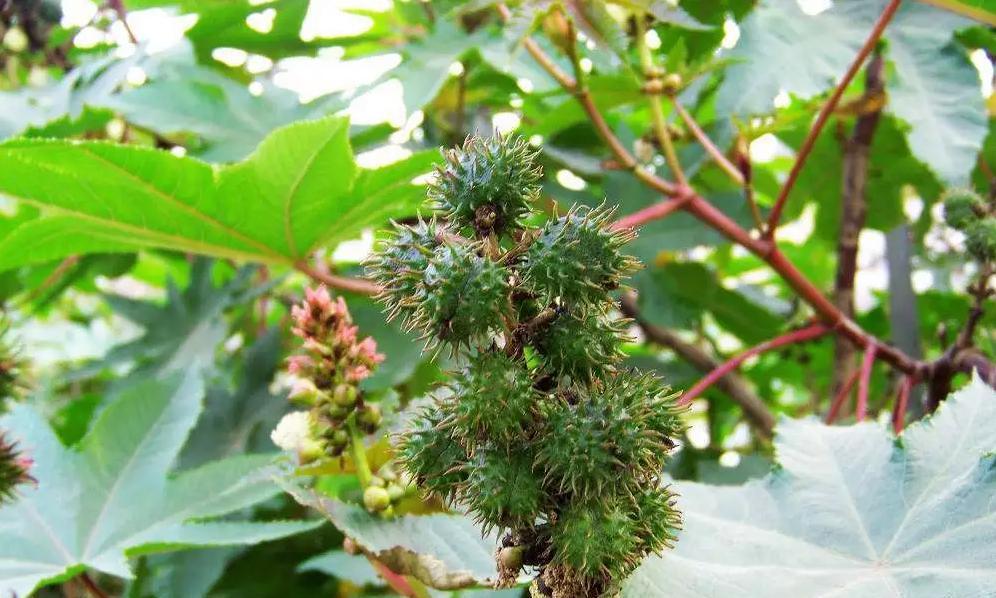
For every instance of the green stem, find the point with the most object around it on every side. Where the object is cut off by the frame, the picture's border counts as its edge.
(656, 106)
(359, 453)
(977, 14)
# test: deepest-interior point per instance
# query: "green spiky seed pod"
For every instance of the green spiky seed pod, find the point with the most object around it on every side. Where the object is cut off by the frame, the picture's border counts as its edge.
(980, 239)
(596, 538)
(616, 432)
(501, 489)
(489, 184)
(656, 519)
(399, 263)
(962, 207)
(13, 470)
(466, 296)
(578, 258)
(434, 459)
(495, 398)
(584, 346)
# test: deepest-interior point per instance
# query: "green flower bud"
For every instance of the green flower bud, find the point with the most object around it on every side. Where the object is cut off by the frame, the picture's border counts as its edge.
(377, 481)
(368, 418)
(396, 492)
(489, 184)
(15, 40)
(376, 499)
(344, 395)
(577, 258)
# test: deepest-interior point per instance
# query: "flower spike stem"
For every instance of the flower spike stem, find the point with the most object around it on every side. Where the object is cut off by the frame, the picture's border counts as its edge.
(824, 115)
(796, 336)
(359, 453)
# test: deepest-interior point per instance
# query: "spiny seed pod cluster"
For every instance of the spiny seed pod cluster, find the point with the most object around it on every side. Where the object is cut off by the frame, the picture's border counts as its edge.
(332, 364)
(968, 212)
(539, 433)
(11, 366)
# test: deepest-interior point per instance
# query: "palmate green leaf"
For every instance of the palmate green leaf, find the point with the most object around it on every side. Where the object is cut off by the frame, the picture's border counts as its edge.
(229, 121)
(851, 512)
(444, 551)
(181, 335)
(934, 88)
(293, 194)
(110, 498)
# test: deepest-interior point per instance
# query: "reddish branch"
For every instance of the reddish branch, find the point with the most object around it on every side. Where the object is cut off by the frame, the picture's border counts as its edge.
(796, 336)
(864, 381)
(841, 398)
(824, 115)
(902, 400)
(343, 283)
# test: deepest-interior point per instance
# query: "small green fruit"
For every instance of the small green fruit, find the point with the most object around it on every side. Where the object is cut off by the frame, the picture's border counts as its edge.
(396, 492)
(596, 538)
(583, 347)
(431, 456)
(495, 398)
(376, 499)
(368, 418)
(16, 40)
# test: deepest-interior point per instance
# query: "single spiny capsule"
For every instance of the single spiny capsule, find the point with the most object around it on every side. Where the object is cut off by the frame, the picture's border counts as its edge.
(494, 398)
(433, 458)
(577, 258)
(466, 297)
(582, 346)
(501, 490)
(488, 184)
(399, 264)
(656, 519)
(596, 538)
(614, 434)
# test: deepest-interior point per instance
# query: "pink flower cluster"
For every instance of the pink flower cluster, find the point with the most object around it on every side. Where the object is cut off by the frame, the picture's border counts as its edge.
(333, 354)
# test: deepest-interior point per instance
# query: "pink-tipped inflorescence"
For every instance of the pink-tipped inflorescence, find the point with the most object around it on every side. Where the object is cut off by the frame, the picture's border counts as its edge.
(333, 362)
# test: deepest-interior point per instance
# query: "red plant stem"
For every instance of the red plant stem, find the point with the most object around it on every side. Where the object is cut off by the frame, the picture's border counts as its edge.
(902, 400)
(655, 212)
(397, 582)
(861, 405)
(343, 283)
(714, 152)
(841, 398)
(796, 336)
(824, 115)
